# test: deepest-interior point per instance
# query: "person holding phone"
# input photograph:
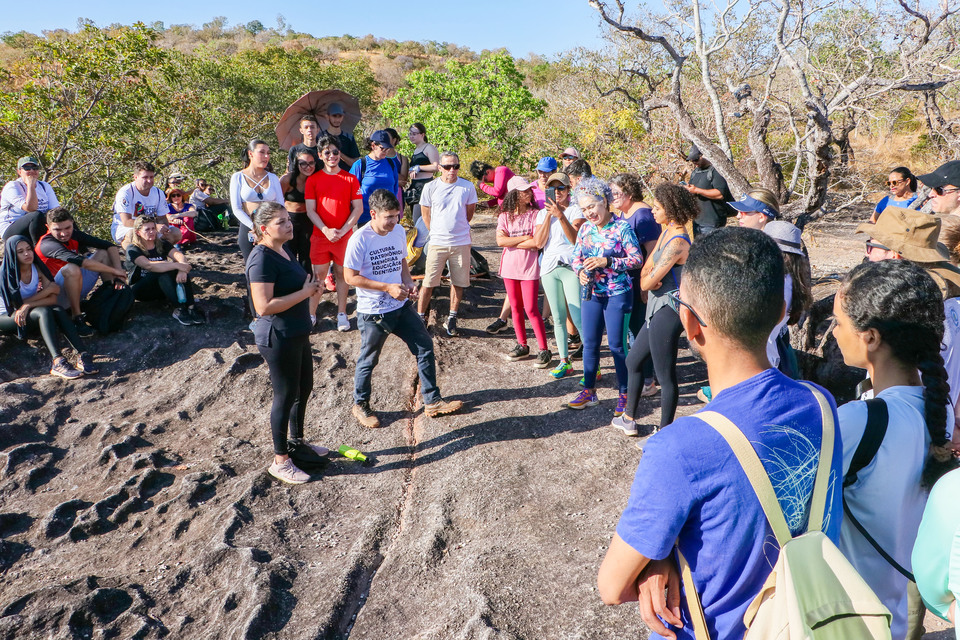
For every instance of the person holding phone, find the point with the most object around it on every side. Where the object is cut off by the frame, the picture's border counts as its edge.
(280, 290)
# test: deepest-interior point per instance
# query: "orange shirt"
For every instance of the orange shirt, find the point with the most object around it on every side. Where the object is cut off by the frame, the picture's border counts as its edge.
(334, 195)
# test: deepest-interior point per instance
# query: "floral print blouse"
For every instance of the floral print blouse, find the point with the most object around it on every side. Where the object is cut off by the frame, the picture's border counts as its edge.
(617, 241)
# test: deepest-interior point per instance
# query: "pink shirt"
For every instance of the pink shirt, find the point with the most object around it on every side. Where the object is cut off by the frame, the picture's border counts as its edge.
(501, 176)
(518, 264)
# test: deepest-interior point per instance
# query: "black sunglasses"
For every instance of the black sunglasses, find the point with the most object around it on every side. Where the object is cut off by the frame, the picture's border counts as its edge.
(943, 190)
(675, 296)
(306, 164)
(30, 167)
(450, 167)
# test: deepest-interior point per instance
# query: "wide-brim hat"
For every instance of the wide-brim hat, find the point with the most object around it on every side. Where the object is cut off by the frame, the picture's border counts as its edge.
(787, 236)
(912, 234)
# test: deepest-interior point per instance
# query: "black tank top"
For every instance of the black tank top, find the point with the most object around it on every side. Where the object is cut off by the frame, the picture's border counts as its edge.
(293, 194)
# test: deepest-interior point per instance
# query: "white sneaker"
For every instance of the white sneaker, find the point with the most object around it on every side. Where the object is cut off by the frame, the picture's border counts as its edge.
(628, 427)
(288, 472)
(650, 390)
(343, 323)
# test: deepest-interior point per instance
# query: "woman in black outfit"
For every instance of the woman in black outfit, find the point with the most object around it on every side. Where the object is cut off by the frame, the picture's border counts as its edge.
(293, 184)
(424, 163)
(280, 289)
(28, 302)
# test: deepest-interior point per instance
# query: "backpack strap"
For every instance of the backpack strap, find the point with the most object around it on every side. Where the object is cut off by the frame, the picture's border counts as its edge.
(363, 168)
(877, 419)
(697, 617)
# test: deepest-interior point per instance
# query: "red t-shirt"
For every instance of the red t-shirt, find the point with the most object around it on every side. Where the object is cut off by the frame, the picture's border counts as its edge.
(334, 194)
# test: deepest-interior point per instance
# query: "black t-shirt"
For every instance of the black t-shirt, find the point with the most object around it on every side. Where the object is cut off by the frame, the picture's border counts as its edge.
(297, 150)
(713, 213)
(157, 254)
(348, 148)
(287, 276)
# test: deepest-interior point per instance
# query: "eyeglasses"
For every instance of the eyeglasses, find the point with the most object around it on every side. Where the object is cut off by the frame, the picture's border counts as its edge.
(942, 191)
(566, 157)
(306, 164)
(329, 153)
(30, 167)
(876, 245)
(450, 167)
(895, 183)
(675, 296)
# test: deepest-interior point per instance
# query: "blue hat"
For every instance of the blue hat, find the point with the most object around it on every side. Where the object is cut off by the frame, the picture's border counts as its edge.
(382, 138)
(334, 109)
(547, 165)
(749, 203)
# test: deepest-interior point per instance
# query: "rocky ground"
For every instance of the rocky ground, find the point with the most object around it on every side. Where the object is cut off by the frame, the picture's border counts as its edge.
(136, 503)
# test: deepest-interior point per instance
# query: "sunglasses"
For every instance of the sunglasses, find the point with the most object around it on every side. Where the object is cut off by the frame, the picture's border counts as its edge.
(894, 183)
(675, 296)
(876, 245)
(560, 187)
(332, 153)
(306, 164)
(450, 167)
(940, 191)
(567, 157)
(30, 167)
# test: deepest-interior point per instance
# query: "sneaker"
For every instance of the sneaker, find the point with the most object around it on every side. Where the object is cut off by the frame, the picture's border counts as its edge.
(288, 472)
(451, 326)
(442, 408)
(576, 353)
(84, 330)
(574, 341)
(544, 358)
(519, 352)
(562, 369)
(496, 326)
(62, 369)
(343, 323)
(182, 316)
(197, 317)
(85, 365)
(621, 404)
(586, 398)
(584, 376)
(704, 395)
(329, 283)
(650, 389)
(365, 415)
(628, 427)
(307, 454)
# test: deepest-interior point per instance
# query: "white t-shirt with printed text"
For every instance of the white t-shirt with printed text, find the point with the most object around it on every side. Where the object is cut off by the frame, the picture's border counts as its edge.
(154, 204)
(13, 196)
(379, 258)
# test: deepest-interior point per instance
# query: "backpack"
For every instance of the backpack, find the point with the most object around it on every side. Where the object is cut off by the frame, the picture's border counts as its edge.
(813, 592)
(107, 308)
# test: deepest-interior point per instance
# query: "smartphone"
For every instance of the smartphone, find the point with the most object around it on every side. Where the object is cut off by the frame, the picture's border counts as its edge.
(683, 183)
(551, 194)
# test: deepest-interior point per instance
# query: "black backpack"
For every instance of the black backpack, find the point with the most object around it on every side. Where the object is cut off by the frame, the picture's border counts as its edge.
(107, 308)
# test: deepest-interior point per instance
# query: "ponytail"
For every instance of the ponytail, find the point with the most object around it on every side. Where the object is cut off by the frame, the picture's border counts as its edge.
(245, 154)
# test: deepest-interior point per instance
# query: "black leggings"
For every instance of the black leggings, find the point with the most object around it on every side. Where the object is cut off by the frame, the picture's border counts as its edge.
(157, 286)
(51, 321)
(31, 225)
(300, 244)
(637, 318)
(658, 340)
(243, 239)
(291, 374)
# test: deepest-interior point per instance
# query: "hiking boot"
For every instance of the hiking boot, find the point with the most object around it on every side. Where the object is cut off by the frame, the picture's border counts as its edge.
(288, 472)
(85, 365)
(450, 326)
(84, 330)
(621, 404)
(343, 323)
(704, 395)
(182, 316)
(365, 415)
(329, 283)
(519, 352)
(544, 358)
(562, 369)
(586, 398)
(595, 382)
(650, 390)
(496, 326)
(442, 408)
(627, 426)
(62, 369)
(196, 316)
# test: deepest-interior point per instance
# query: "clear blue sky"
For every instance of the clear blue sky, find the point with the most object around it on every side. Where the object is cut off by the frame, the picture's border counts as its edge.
(522, 26)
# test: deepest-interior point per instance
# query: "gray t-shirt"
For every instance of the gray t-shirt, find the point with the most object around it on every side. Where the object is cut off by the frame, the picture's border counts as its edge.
(377, 258)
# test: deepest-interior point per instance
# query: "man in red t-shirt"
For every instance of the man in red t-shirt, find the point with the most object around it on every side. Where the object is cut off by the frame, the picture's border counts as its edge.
(334, 204)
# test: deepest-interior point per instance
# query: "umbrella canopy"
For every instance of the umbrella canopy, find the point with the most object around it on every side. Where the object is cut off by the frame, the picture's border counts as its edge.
(316, 103)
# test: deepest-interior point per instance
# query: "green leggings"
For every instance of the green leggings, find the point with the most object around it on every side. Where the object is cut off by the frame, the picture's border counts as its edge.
(562, 289)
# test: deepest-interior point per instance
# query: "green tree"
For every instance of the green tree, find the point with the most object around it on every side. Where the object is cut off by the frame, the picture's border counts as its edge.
(468, 105)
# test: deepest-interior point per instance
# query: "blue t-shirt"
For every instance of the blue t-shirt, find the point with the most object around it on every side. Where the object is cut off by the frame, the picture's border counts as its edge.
(380, 174)
(887, 201)
(690, 490)
(646, 230)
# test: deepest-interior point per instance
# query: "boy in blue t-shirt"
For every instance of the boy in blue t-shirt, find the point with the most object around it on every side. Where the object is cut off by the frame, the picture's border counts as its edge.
(690, 491)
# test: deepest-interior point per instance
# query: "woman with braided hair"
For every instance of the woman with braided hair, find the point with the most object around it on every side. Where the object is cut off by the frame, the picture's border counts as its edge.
(890, 322)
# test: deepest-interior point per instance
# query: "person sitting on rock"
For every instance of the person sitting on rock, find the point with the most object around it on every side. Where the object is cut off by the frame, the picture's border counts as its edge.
(158, 271)
(77, 260)
(141, 198)
(25, 201)
(182, 215)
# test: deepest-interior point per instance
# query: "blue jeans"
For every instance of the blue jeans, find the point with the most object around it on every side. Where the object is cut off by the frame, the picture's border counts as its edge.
(613, 314)
(407, 325)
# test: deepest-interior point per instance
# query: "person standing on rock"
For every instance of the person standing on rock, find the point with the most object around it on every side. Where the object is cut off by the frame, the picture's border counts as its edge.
(280, 290)
(376, 265)
(711, 189)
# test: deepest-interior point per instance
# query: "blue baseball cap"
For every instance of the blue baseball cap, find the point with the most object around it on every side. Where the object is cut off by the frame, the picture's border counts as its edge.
(547, 164)
(749, 203)
(382, 138)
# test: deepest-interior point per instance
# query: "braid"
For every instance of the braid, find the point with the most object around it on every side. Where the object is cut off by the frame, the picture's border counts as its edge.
(936, 396)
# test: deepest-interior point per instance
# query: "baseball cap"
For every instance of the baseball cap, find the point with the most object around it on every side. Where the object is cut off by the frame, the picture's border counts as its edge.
(27, 160)
(382, 138)
(334, 109)
(912, 234)
(570, 151)
(518, 183)
(560, 177)
(694, 154)
(749, 203)
(176, 175)
(547, 164)
(786, 235)
(947, 173)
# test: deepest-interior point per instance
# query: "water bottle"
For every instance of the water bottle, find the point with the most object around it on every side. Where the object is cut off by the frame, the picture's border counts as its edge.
(349, 452)
(181, 293)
